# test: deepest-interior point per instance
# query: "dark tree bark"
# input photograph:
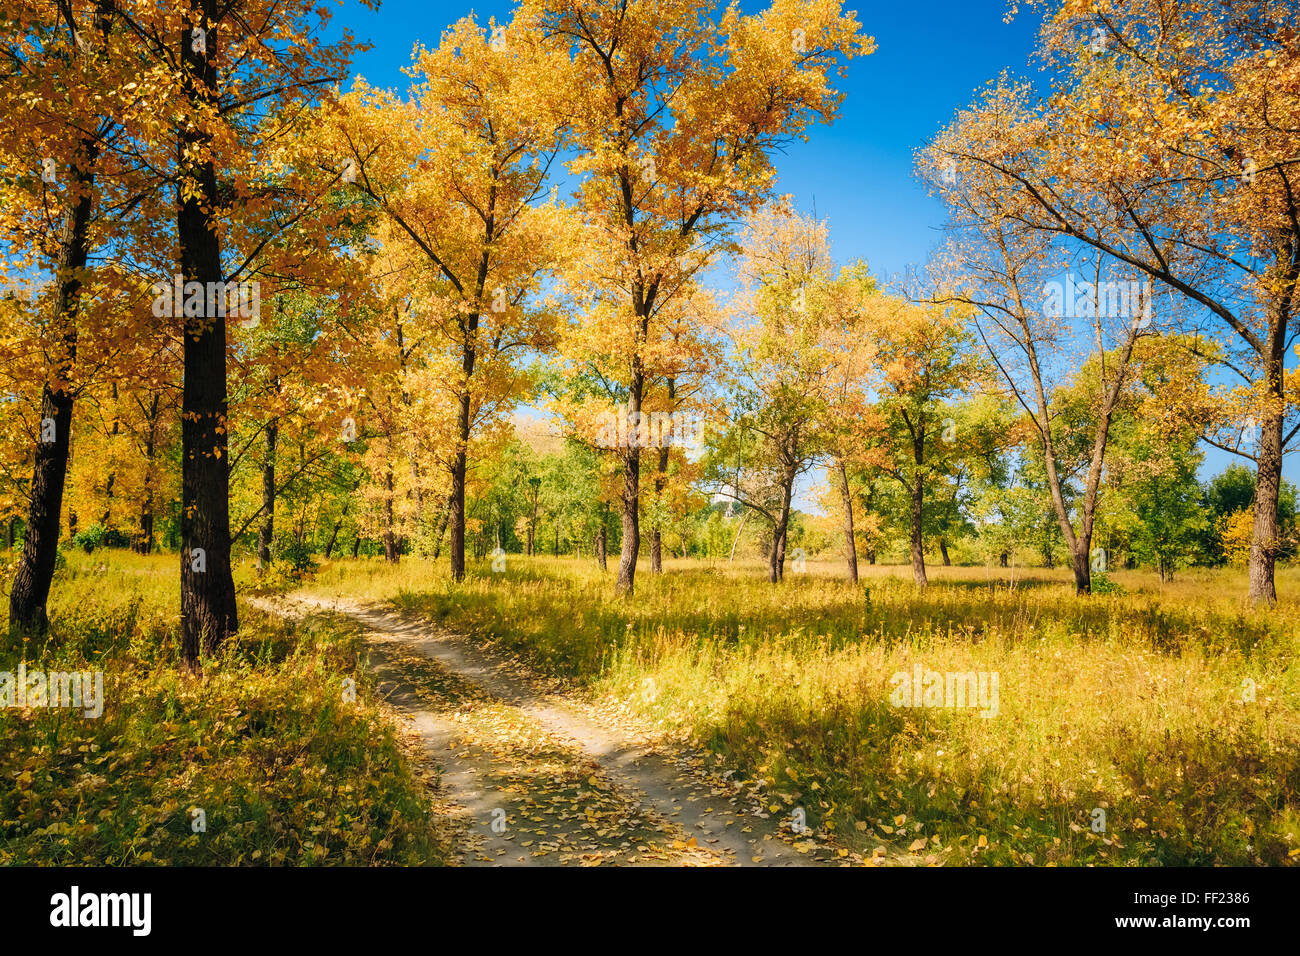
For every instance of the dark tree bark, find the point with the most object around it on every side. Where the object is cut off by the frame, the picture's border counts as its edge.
(846, 499)
(35, 572)
(918, 545)
(456, 512)
(943, 550)
(208, 611)
(266, 533)
(391, 554)
(469, 356)
(31, 587)
(106, 519)
(144, 538)
(334, 534)
(656, 535)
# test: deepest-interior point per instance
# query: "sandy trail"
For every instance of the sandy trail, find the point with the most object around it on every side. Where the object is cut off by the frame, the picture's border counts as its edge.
(536, 780)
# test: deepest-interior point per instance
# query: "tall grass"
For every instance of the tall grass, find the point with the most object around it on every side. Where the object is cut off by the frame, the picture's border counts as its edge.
(1134, 703)
(283, 769)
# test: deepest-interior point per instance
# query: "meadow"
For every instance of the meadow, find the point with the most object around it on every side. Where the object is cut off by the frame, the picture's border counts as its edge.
(261, 760)
(1171, 708)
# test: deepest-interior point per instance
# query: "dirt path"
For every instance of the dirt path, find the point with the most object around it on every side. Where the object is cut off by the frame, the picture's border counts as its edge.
(535, 780)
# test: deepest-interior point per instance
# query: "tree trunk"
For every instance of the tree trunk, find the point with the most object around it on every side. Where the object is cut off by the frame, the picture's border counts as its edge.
(943, 550)
(442, 529)
(850, 544)
(356, 544)
(35, 572)
(144, 539)
(918, 547)
(656, 551)
(338, 525)
(1079, 560)
(267, 531)
(208, 611)
(110, 483)
(457, 509)
(106, 519)
(626, 583)
(1268, 483)
(334, 533)
(601, 545)
(776, 559)
(419, 491)
(31, 587)
(391, 554)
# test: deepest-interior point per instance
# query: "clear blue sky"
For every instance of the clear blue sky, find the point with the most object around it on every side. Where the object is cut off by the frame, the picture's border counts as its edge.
(932, 57)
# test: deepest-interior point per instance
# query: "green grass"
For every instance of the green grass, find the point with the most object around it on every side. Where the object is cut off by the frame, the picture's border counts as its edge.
(285, 770)
(1130, 702)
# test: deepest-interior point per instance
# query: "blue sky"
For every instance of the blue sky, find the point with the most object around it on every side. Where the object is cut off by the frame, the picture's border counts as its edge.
(932, 57)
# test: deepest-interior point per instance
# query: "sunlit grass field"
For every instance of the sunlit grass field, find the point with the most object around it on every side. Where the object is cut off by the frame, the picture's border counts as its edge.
(1173, 708)
(1138, 704)
(284, 770)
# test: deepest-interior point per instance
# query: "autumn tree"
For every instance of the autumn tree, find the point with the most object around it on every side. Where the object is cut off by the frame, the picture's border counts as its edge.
(925, 364)
(63, 102)
(850, 422)
(1168, 144)
(1039, 320)
(676, 109)
(784, 367)
(458, 171)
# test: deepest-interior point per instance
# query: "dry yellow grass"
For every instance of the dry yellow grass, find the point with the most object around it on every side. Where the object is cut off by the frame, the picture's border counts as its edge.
(1137, 704)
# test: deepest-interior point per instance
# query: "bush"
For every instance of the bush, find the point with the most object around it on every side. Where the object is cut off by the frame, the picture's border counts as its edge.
(1103, 583)
(297, 555)
(97, 536)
